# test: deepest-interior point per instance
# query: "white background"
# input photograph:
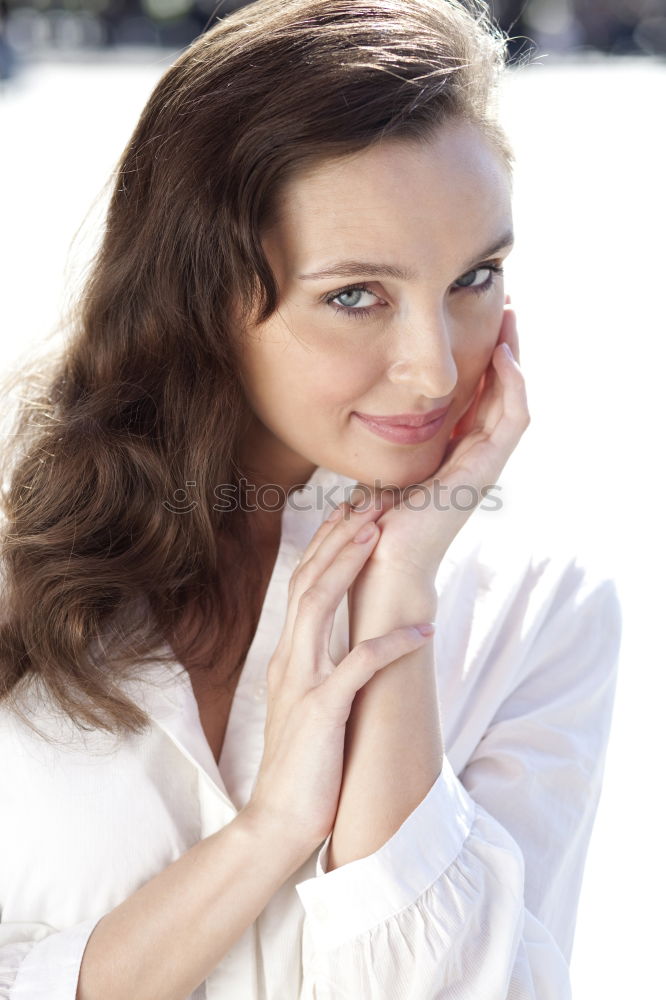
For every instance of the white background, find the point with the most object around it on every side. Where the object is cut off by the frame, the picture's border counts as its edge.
(587, 281)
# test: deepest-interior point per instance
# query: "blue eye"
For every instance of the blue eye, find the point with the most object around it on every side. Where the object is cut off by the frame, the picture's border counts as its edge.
(353, 311)
(353, 292)
(494, 269)
(350, 311)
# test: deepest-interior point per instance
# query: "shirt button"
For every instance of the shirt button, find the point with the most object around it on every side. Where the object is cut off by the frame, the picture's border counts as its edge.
(259, 692)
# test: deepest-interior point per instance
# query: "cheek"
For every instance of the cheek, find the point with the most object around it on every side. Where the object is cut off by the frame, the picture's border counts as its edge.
(307, 386)
(330, 376)
(326, 386)
(472, 360)
(473, 353)
(477, 330)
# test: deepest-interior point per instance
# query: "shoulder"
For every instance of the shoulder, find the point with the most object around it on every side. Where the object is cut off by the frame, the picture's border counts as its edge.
(515, 605)
(526, 628)
(521, 570)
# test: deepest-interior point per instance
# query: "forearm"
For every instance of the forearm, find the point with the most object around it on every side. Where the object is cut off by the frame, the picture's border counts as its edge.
(166, 938)
(393, 747)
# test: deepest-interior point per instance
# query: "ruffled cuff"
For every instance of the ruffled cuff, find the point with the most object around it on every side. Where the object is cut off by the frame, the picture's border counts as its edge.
(343, 903)
(49, 970)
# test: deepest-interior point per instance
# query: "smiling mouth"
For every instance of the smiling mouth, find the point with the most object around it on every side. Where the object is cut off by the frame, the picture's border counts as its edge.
(406, 419)
(403, 433)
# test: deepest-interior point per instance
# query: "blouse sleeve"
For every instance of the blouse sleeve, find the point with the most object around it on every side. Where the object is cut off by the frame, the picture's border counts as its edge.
(38, 962)
(475, 895)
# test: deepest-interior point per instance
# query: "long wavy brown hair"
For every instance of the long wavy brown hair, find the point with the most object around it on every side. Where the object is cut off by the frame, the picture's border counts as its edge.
(99, 562)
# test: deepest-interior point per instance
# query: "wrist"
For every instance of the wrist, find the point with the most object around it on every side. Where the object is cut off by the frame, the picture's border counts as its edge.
(415, 570)
(270, 837)
(402, 576)
(380, 601)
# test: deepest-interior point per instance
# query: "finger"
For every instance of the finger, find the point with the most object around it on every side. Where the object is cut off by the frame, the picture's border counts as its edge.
(515, 414)
(466, 422)
(322, 531)
(324, 547)
(312, 613)
(509, 332)
(502, 411)
(489, 405)
(339, 513)
(487, 390)
(320, 552)
(492, 404)
(339, 689)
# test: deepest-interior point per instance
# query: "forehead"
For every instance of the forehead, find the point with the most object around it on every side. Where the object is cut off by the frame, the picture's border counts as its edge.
(421, 197)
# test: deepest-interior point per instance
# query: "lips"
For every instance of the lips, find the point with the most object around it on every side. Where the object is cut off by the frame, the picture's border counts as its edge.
(406, 419)
(402, 433)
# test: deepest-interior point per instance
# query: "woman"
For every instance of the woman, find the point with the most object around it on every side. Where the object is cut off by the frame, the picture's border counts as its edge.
(232, 767)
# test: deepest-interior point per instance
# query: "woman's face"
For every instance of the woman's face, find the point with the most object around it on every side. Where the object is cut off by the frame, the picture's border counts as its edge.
(398, 343)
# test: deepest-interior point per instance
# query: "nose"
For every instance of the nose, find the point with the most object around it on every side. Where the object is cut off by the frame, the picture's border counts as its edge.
(424, 359)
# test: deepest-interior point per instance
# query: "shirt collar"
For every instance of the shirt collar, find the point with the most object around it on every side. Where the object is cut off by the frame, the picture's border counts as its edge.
(164, 690)
(306, 508)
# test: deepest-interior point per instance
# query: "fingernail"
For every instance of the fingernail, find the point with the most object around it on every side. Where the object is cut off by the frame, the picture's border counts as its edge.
(508, 351)
(366, 532)
(335, 515)
(427, 629)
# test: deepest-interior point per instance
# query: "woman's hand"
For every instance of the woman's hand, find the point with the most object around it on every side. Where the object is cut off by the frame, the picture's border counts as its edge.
(310, 697)
(415, 538)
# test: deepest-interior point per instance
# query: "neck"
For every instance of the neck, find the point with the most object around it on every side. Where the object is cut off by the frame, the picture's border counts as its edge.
(267, 461)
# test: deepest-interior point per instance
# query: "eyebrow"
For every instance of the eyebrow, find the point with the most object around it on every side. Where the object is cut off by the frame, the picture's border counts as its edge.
(352, 268)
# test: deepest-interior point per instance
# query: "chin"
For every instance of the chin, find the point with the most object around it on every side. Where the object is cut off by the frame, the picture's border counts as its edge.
(404, 470)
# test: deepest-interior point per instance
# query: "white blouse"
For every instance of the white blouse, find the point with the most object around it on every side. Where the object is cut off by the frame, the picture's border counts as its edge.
(475, 895)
